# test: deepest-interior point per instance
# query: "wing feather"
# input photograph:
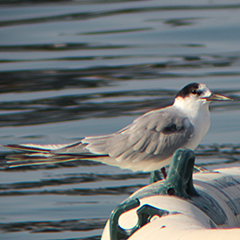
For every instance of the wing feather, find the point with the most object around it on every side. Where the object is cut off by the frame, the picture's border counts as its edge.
(147, 143)
(155, 135)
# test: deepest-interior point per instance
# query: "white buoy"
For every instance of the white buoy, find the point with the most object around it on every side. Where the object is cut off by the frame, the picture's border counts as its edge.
(204, 205)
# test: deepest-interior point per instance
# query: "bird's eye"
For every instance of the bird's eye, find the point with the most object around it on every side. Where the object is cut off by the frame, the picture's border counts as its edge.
(194, 91)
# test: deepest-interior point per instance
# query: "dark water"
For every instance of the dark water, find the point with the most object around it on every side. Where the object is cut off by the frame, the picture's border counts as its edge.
(76, 68)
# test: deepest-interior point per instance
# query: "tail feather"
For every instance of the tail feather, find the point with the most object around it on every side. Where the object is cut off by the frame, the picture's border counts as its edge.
(36, 154)
(21, 160)
(29, 147)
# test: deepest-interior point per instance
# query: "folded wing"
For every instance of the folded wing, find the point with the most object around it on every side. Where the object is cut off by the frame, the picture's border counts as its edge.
(151, 138)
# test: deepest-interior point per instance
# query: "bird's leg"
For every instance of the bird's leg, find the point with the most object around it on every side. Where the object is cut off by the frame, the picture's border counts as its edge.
(163, 170)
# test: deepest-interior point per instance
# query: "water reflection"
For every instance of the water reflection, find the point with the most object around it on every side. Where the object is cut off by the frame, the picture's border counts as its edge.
(94, 105)
(72, 60)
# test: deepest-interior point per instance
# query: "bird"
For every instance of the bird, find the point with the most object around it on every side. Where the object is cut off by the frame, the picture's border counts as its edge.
(147, 144)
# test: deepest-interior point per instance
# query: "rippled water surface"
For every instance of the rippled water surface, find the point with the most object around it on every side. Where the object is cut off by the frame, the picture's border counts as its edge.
(76, 68)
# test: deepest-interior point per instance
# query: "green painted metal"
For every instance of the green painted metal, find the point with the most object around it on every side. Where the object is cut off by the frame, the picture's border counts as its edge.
(145, 213)
(155, 176)
(116, 232)
(178, 182)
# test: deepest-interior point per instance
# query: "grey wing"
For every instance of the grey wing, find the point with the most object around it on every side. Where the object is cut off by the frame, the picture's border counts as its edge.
(153, 136)
(146, 144)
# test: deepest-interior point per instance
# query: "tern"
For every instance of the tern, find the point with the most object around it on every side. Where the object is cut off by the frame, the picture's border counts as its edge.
(147, 144)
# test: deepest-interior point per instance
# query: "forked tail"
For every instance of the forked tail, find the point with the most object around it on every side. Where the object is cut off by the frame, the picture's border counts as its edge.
(37, 154)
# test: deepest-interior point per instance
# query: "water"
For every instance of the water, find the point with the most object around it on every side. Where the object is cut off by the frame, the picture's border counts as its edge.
(75, 68)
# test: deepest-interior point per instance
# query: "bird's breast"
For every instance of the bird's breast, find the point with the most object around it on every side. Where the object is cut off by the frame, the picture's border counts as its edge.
(201, 123)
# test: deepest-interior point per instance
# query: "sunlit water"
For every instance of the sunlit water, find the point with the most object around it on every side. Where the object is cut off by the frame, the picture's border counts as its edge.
(76, 68)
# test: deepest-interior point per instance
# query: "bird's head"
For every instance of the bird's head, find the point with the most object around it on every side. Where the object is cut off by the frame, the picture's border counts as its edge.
(197, 95)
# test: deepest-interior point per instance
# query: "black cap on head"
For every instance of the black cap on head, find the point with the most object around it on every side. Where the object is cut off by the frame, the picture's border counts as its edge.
(190, 88)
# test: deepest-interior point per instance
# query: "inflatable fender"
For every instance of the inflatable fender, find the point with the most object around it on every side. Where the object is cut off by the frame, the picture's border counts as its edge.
(204, 205)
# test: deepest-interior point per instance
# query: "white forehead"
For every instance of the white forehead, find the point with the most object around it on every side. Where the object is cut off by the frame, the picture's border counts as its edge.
(203, 87)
